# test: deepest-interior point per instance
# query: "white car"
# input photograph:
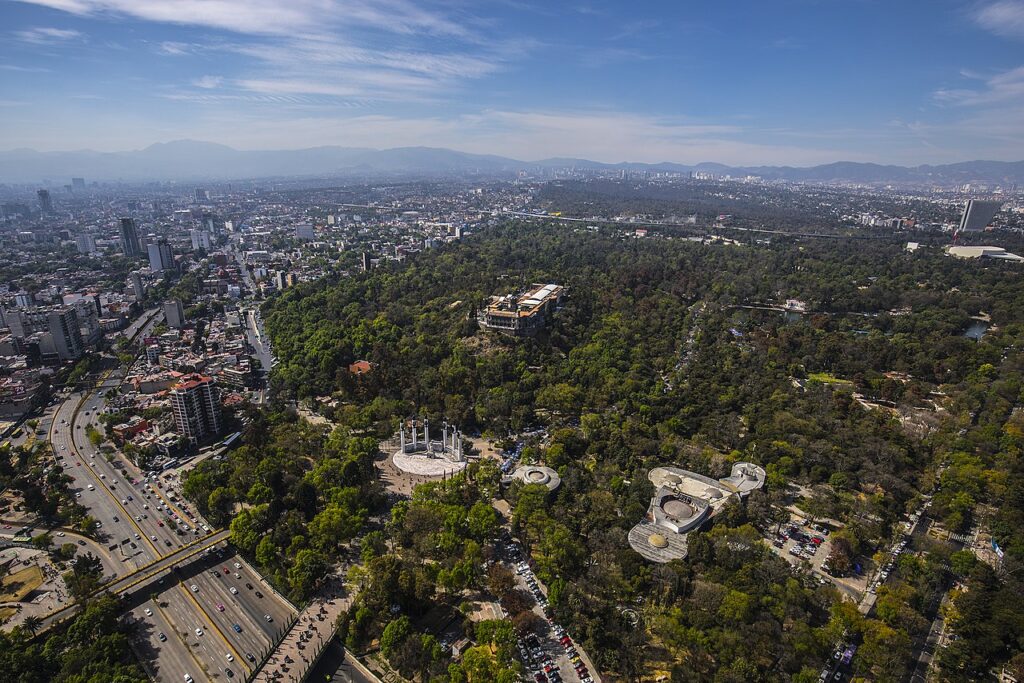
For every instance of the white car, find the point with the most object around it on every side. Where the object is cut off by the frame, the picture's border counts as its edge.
(230, 658)
(199, 631)
(195, 588)
(149, 612)
(234, 591)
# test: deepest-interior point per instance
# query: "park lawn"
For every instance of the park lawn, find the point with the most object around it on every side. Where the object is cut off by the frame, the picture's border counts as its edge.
(16, 586)
(827, 378)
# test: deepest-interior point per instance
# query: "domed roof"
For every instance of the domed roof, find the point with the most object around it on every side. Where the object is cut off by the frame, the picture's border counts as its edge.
(657, 540)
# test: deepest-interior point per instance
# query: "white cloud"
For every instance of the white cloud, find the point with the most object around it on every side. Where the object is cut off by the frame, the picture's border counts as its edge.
(208, 82)
(24, 69)
(47, 35)
(1004, 17)
(272, 17)
(1001, 88)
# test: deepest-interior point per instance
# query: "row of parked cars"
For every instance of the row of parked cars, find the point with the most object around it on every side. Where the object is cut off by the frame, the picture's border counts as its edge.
(545, 668)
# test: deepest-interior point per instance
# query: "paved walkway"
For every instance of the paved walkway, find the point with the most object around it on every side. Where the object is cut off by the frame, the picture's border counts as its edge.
(308, 636)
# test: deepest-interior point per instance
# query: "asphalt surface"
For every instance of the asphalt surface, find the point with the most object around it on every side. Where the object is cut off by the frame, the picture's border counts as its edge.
(137, 532)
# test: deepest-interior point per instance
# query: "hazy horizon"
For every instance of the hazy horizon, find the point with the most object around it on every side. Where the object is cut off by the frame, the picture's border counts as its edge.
(794, 83)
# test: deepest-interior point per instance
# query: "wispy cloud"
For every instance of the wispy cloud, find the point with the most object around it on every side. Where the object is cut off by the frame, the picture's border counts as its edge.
(24, 69)
(47, 35)
(272, 17)
(208, 82)
(1003, 17)
(380, 49)
(176, 49)
(1001, 88)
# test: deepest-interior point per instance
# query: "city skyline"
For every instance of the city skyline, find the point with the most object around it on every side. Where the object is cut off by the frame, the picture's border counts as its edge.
(799, 83)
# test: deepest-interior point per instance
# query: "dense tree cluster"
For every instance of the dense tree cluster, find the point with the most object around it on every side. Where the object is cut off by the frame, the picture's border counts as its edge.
(664, 352)
(94, 647)
(293, 496)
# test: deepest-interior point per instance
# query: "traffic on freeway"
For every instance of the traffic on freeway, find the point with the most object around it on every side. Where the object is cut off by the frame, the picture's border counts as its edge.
(210, 616)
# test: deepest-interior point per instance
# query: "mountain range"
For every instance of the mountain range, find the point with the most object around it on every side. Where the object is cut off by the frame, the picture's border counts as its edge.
(194, 160)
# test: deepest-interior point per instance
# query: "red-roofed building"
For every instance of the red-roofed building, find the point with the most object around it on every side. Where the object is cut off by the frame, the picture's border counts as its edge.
(360, 367)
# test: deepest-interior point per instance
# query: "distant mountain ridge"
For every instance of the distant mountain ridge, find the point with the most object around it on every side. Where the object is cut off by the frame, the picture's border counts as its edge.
(197, 161)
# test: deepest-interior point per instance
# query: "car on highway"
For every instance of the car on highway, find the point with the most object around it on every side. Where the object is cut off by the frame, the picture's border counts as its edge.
(268, 617)
(258, 594)
(199, 631)
(220, 608)
(237, 566)
(238, 629)
(234, 591)
(230, 658)
(161, 637)
(195, 588)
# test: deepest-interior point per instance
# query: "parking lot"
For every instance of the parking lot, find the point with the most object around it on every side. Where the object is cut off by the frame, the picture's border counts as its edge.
(551, 655)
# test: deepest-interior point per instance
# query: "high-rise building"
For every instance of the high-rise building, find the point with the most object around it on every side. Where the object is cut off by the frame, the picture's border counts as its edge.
(174, 313)
(63, 327)
(45, 203)
(978, 214)
(130, 238)
(137, 287)
(201, 240)
(161, 257)
(304, 231)
(24, 299)
(78, 183)
(59, 322)
(201, 195)
(212, 224)
(196, 404)
(366, 261)
(86, 244)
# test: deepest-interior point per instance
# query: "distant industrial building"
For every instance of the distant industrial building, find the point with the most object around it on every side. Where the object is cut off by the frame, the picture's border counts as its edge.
(977, 215)
(161, 257)
(130, 238)
(521, 315)
(196, 404)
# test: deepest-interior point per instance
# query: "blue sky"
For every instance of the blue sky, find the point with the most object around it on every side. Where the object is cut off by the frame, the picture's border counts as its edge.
(740, 82)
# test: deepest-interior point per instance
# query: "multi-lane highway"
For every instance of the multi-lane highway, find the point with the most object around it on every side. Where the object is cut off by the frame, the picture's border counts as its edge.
(161, 544)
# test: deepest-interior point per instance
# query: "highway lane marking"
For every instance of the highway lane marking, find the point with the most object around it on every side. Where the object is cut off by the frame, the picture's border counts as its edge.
(102, 485)
(178, 633)
(54, 617)
(213, 625)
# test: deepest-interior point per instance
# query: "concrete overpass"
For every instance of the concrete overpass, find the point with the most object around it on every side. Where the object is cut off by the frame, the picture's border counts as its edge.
(143, 575)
